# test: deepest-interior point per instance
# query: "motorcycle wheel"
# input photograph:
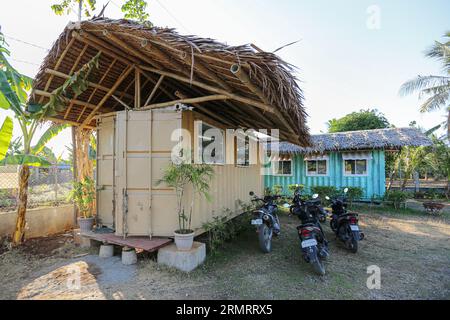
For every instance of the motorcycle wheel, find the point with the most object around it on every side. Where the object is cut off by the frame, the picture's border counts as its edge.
(265, 238)
(318, 266)
(333, 225)
(352, 245)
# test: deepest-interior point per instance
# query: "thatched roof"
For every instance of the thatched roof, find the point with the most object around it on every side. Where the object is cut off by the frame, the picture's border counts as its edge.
(389, 139)
(259, 88)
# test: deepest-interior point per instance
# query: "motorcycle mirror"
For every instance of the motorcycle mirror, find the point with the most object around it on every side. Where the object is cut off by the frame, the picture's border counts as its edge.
(315, 196)
(345, 190)
(251, 193)
(327, 197)
(286, 205)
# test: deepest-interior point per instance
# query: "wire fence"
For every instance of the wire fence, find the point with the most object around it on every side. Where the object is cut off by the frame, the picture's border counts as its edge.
(46, 187)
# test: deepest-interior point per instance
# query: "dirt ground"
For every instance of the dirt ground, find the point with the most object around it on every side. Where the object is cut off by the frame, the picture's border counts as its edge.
(412, 251)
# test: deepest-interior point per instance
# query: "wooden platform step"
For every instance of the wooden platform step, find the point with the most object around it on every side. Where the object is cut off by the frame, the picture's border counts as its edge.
(143, 243)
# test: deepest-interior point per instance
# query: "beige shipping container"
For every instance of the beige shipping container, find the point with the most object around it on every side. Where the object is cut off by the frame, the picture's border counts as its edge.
(134, 148)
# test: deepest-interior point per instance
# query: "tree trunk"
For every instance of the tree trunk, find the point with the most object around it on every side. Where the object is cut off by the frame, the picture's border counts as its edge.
(19, 232)
(391, 179)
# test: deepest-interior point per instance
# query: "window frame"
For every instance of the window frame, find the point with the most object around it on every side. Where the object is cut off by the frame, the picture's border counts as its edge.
(284, 174)
(200, 133)
(355, 175)
(317, 174)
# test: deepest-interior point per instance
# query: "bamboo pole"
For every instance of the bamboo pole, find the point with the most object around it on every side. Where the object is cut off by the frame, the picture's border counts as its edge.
(137, 88)
(187, 101)
(160, 80)
(125, 73)
(91, 84)
(130, 50)
(245, 79)
(95, 90)
(58, 63)
(212, 89)
(75, 101)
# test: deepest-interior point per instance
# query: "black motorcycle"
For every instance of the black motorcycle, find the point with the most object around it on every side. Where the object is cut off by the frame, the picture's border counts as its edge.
(266, 220)
(312, 239)
(345, 224)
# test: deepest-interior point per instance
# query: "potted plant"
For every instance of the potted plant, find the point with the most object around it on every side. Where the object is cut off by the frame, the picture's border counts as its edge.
(83, 195)
(180, 176)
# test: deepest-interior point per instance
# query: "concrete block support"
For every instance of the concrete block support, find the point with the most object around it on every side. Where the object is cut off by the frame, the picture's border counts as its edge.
(182, 260)
(106, 251)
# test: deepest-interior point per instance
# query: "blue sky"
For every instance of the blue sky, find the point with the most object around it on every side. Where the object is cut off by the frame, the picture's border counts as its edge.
(343, 64)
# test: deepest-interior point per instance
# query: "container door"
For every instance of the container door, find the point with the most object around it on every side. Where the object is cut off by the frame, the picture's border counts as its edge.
(105, 171)
(133, 173)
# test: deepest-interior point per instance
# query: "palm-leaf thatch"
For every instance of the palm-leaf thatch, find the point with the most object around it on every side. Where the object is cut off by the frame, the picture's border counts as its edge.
(260, 89)
(388, 139)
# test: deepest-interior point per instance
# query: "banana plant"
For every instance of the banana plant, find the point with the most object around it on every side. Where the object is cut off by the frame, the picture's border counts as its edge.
(14, 89)
(6, 132)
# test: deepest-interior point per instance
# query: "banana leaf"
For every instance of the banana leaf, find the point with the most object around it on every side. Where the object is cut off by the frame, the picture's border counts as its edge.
(27, 159)
(6, 132)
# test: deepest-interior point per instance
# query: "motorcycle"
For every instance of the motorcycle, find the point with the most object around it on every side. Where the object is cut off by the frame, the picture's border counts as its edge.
(345, 224)
(312, 238)
(266, 221)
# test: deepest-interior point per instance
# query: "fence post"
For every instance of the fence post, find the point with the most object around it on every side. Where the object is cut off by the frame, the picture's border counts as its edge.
(55, 181)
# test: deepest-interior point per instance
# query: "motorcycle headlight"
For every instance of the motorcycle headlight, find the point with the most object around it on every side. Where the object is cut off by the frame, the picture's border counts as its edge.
(265, 217)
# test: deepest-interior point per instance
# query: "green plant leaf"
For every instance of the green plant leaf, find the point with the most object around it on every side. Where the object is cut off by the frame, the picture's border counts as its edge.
(51, 132)
(6, 132)
(25, 159)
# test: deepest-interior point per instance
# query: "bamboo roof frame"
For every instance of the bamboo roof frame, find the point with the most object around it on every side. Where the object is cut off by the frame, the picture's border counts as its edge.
(236, 85)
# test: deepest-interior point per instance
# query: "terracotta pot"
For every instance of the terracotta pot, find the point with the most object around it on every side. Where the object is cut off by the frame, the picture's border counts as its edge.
(184, 241)
(85, 224)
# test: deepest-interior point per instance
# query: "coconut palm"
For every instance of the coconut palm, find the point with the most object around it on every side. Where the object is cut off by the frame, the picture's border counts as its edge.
(435, 87)
(14, 88)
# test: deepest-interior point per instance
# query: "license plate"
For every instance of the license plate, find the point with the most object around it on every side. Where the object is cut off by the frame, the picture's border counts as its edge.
(354, 227)
(257, 221)
(309, 243)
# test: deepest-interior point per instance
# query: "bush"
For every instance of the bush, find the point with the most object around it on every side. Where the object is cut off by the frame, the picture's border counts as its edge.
(323, 191)
(397, 197)
(354, 193)
(222, 229)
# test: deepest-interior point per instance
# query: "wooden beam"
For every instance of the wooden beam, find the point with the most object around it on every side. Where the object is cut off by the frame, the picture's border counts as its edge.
(95, 90)
(187, 101)
(187, 59)
(68, 110)
(63, 121)
(160, 80)
(211, 114)
(91, 84)
(137, 88)
(168, 93)
(75, 101)
(130, 50)
(77, 61)
(121, 102)
(245, 79)
(104, 47)
(58, 63)
(125, 73)
(212, 89)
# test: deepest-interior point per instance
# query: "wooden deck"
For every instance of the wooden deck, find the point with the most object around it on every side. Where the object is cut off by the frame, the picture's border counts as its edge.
(143, 243)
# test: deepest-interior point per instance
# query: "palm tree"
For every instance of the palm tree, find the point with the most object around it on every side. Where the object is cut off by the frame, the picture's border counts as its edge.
(14, 88)
(435, 88)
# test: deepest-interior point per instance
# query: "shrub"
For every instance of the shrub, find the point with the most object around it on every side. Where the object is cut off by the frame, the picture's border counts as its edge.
(277, 189)
(397, 197)
(354, 193)
(222, 229)
(323, 191)
(292, 187)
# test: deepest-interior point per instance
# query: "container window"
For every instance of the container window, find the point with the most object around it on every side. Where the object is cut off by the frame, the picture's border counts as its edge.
(316, 167)
(211, 144)
(355, 167)
(284, 168)
(243, 151)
